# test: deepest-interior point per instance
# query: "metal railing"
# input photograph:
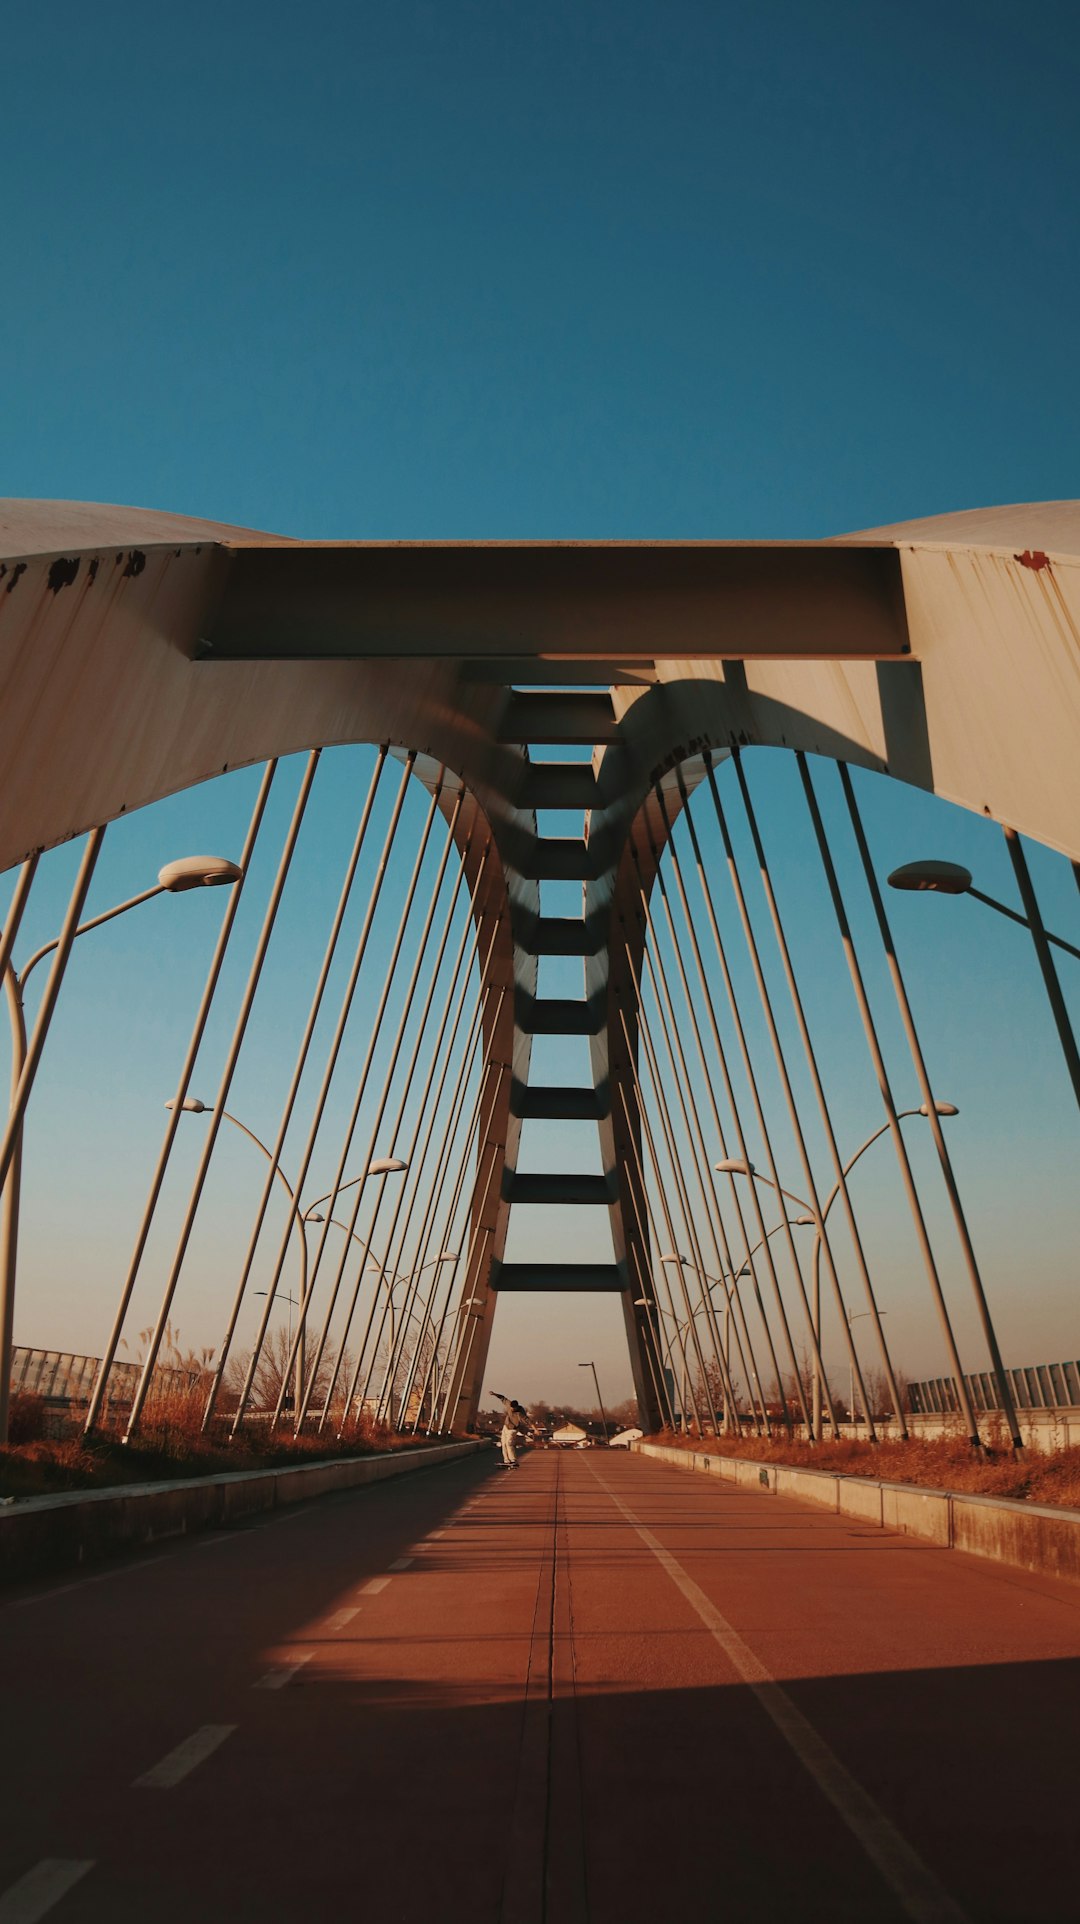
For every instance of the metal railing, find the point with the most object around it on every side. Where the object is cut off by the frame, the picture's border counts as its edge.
(61, 1376)
(1037, 1386)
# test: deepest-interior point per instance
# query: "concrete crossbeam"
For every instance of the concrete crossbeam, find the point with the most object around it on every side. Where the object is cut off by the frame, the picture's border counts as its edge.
(540, 1278)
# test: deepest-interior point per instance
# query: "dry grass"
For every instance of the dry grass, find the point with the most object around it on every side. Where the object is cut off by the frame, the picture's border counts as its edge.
(170, 1444)
(937, 1463)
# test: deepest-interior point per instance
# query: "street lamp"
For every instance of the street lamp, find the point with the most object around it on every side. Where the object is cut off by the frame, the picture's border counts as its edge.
(734, 1165)
(851, 1369)
(176, 878)
(599, 1398)
(727, 1283)
(380, 1166)
(950, 878)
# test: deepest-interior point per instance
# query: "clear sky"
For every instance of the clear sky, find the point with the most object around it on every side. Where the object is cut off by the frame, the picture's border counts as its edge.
(466, 270)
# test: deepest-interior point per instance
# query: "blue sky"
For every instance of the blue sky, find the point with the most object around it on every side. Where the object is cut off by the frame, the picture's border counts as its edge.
(465, 270)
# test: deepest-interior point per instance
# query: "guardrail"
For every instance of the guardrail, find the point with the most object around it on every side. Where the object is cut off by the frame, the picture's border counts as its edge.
(48, 1533)
(1035, 1386)
(1031, 1536)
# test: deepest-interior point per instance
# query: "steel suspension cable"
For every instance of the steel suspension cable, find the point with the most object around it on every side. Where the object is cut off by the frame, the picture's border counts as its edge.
(20, 1095)
(650, 1244)
(870, 1031)
(644, 1244)
(470, 1139)
(360, 1181)
(472, 1040)
(428, 1107)
(822, 1101)
(384, 1097)
(746, 1265)
(386, 1394)
(692, 1124)
(650, 1144)
(755, 1196)
(798, 1134)
(175, 1113)
(726, 1277)
(224, 1085)
(391, 1071)
(683, 1194)
(333, 1055)
(945, 1160)
(293, 1091)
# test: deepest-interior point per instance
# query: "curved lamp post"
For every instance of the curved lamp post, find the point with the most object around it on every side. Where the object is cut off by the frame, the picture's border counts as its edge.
(391, 1281)
(727, 1284)
(176, 878)
(734, 1166)
(603, 1413)
(380, 1166)
(951, 878)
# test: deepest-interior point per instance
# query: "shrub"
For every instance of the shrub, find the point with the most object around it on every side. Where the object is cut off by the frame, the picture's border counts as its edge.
(26, 1418)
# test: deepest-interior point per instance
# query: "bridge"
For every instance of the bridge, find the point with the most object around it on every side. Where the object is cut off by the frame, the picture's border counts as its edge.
(530, 1676)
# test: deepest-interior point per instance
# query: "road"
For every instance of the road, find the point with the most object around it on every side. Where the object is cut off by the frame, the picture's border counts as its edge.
(596, 1689)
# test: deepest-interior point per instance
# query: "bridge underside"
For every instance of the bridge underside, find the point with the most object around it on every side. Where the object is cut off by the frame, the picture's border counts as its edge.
(143, 653)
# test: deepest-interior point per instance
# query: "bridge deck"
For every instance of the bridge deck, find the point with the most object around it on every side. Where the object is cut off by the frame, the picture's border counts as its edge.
(595, 1689)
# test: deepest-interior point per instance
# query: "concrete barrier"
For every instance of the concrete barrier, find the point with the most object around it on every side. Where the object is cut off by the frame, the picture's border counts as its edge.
(43, 1534)
(857, 1497)
(913, 1512)
(810, 1486)
(1030, 1536)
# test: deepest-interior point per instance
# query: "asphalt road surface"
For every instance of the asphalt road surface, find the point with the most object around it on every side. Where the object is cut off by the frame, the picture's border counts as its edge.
(593, 1689)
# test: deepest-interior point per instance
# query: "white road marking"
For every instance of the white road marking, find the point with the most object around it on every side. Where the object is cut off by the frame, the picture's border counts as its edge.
(912, 1882)
(35, 1894)
(400, 1563)
(433, 1534)
(340, 1619)
(277, 1679)
(182, 1761)
(373, 1586)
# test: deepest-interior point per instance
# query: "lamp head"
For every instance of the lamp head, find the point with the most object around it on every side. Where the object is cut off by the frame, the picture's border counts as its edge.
(734, 1166)
(386, 1166)
(942, 1108)
(192, 1105)
(673, 1256)
(935, 878)
(198, 872)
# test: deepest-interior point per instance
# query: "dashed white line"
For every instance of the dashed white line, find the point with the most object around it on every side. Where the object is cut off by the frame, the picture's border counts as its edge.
(400, 1563)
(374, 1584)
(35, 1894)
(182, 1761)
(277, 1679)
(340, 1619)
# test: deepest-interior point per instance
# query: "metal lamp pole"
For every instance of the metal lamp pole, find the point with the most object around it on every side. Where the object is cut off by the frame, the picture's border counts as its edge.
(851, 1373)
(192, 1106)
(951, 878)
(176, 878)
(599, 1398)
(943, 1109)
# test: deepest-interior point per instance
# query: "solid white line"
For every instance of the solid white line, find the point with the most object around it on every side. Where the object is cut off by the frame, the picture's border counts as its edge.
(912, 1882)
(341, 1618)
(400, 1563)
(277, 1679)
(36, 1893)
(182, 1761)
(373, 1586)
